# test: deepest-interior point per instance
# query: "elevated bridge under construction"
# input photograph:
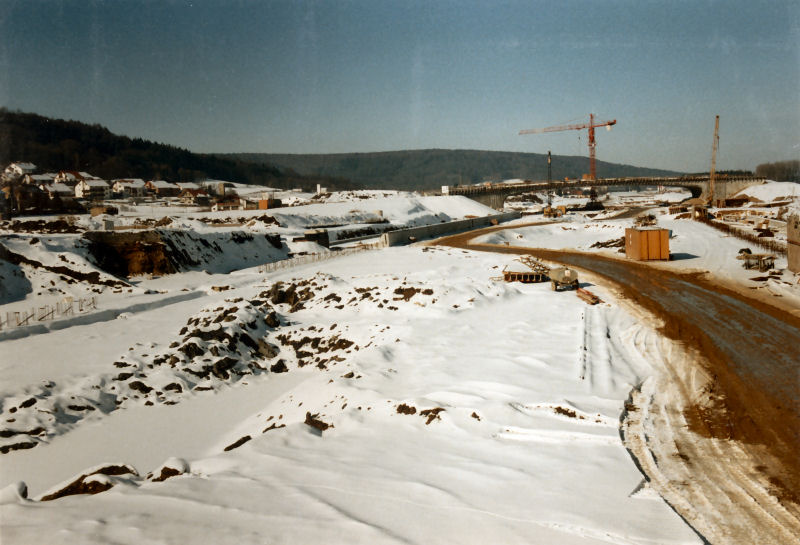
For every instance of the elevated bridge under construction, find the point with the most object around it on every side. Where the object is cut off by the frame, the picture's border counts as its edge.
(495, 194)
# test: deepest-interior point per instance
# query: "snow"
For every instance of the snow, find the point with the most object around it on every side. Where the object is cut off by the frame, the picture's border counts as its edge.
(695, 247)
(527, 387)
(162, 184)
(523, 472)
(772, 191)
(60, 188)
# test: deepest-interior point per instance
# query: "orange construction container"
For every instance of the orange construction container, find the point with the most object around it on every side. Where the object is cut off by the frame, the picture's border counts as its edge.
(647, 244)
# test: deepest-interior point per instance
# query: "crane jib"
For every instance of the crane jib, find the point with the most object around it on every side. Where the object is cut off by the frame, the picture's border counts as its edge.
(591, 125)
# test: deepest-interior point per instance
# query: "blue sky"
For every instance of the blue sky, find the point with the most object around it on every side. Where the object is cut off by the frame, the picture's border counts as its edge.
(378, 75)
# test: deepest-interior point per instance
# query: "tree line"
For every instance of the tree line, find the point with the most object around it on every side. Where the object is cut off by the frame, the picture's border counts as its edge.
(432, 168)
(57, 144)
(780, 171)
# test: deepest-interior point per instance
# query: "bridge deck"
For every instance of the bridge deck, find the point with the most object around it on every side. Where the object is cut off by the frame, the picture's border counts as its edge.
(600, 182)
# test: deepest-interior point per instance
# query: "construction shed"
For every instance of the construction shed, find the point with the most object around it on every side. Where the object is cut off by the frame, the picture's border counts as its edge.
(644, 244)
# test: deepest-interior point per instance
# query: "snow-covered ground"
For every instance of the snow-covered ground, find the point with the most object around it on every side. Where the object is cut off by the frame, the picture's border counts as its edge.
(773, 191)
(461, 409)
(695, 247)
(525, 447)
(217, 241)
(613, 201)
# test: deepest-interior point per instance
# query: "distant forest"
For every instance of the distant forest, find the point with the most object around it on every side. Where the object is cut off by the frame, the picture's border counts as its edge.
(782, 171)
(433, 168)
(56, 144)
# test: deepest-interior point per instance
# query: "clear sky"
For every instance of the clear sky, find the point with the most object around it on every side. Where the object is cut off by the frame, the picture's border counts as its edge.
(379, 75)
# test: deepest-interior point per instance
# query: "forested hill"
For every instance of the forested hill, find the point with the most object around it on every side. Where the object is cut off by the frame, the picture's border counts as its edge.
(432, 168)
(56, 144)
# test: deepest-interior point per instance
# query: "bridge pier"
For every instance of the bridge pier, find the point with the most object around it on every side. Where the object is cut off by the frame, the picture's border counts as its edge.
(491, 199)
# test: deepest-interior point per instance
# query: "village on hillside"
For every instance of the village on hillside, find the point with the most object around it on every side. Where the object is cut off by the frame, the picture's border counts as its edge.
(760, 212)
(26, 192)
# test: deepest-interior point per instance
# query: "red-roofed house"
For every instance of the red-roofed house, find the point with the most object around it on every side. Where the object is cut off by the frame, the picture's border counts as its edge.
(198, 197)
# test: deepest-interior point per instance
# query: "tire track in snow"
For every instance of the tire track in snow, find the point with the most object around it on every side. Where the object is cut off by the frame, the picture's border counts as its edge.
(699, 493)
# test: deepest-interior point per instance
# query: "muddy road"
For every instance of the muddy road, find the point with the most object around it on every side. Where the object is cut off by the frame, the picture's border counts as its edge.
(749, 353)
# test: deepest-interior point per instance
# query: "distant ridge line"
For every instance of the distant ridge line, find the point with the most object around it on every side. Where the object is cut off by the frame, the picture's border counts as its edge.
(432, 168)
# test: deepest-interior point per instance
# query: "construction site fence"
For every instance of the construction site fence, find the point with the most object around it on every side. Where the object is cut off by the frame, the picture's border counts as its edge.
(316, 258)
(61, 309)
(767, 243)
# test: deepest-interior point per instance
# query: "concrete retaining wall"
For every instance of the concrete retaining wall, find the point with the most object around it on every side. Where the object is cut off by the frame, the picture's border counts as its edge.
(412, 234)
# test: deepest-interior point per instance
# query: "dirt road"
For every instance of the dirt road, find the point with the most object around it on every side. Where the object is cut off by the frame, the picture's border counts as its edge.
(728, 462)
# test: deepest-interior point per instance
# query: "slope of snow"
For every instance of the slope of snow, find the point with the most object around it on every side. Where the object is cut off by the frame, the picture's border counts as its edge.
(213, 242)
(772, 191)
(524, 388)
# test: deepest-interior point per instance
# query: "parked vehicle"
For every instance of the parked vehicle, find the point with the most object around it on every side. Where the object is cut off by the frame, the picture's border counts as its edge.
(563, 277)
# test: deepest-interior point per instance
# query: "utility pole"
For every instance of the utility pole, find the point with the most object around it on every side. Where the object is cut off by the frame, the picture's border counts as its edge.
(549, 168)
(712, 175)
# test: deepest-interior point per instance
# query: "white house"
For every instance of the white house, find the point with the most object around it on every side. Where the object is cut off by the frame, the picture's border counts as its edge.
(95, 189)
(222, 206)
(20, 169)
(39, 179)
(130, 187)
(62, 190)
(162, 188)
(68, 177)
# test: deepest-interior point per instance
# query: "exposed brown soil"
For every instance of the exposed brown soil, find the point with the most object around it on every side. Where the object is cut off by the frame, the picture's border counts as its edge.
(238, 443)
(42, 226)
(309, 347)
(406, 409)
(431, 414)
(405, 294)
(279, 367)
(90, 277)
(166, 473)
(130, 254)
(749, 347)
(81, 486)
(139, 386)
(565, 412)
(313, 421)
(5, 449)
(273, 426)
(12, 433)
(613, 243)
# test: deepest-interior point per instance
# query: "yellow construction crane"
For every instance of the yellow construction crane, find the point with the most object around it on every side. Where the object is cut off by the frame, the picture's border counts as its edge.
(591, 125)
(713, 173)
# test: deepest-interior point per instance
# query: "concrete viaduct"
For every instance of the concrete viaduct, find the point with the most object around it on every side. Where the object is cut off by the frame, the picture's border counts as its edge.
(495, 194)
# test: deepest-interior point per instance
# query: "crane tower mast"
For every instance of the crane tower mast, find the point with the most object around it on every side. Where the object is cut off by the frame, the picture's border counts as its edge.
(712, 174)
(591, 125)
